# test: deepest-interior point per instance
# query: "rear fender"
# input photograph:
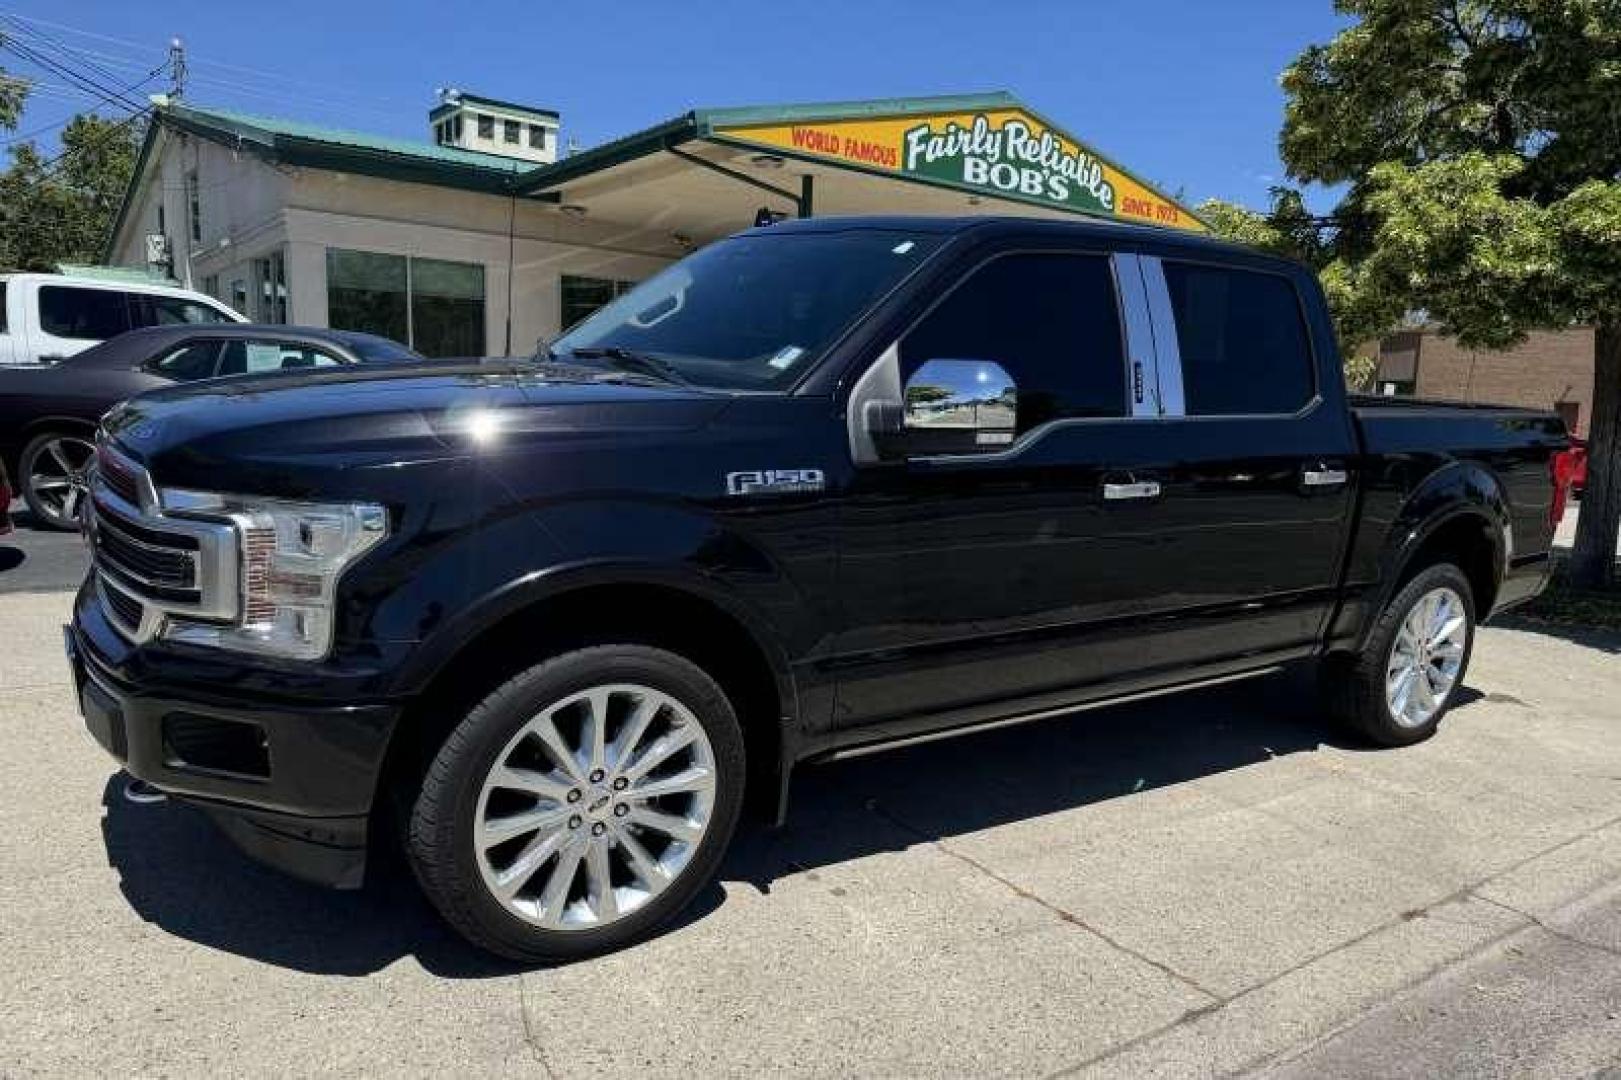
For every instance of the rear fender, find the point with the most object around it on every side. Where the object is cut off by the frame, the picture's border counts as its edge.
(1460, 491)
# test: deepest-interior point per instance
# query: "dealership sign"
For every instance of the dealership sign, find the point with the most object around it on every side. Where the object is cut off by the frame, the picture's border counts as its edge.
(1007, 153)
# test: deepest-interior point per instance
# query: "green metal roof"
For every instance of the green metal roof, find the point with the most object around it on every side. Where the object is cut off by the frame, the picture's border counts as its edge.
(122, 274)
(277, 133)
(700, 123)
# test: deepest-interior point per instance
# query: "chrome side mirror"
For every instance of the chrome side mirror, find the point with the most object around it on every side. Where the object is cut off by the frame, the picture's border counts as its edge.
(959, 407)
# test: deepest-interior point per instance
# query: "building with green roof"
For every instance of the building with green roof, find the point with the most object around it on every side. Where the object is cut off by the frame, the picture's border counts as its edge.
(485, 239)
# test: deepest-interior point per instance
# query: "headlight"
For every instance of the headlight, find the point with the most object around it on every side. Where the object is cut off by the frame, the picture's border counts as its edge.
(291, 556)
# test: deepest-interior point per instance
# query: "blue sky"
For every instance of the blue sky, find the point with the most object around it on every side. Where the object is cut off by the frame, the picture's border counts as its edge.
(1182, 92)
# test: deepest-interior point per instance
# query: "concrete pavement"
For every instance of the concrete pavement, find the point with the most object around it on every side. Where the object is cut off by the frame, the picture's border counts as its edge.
(1201, 886)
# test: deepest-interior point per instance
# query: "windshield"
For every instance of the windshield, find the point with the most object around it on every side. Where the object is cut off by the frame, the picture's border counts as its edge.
(755, 311)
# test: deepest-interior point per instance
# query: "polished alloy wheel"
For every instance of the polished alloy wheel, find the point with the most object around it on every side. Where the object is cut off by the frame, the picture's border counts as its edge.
(1426, 656)
(57, 475)
(594, 807)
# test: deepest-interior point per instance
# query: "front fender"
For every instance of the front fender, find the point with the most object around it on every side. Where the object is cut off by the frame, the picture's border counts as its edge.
(765, 569)
(539, 586)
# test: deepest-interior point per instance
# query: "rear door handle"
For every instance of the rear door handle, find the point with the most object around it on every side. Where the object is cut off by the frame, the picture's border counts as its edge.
(1143, 489)
(1323, 476)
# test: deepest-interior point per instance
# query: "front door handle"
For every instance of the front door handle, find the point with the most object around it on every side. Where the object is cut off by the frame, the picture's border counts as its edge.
(1322, 476)
(1144, 489)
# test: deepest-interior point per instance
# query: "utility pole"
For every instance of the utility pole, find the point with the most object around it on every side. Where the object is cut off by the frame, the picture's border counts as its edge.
(177, 67)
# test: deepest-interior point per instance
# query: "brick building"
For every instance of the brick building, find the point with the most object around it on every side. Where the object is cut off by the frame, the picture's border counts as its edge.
(1553, 369)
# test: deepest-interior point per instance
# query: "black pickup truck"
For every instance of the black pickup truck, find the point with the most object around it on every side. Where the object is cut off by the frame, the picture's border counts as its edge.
(819, 489)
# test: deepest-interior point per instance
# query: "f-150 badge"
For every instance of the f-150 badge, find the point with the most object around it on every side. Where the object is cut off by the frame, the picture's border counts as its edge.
(774, 481)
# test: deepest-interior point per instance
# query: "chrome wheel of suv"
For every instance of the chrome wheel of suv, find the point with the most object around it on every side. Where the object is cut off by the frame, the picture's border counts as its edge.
(594, 807)
(1426, 656)
(54, 478)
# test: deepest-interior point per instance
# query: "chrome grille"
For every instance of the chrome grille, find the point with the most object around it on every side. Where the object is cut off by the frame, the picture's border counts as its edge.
(124, 609)
(119, 476)
(150, 565)
(144, 558)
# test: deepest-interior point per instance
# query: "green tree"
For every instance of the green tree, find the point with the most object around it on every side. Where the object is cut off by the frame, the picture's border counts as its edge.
(59, 210)
(13, 92)
(1479, 146)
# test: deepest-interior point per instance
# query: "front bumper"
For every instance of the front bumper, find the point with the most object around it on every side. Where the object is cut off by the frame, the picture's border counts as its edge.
(293, 784)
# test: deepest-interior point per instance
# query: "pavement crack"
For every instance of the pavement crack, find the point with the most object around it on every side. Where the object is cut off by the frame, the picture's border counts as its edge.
(1067, 916)
(1550, 930)
(531, 1039)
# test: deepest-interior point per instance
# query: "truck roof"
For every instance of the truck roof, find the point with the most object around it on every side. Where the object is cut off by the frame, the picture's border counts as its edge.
(1014, 225)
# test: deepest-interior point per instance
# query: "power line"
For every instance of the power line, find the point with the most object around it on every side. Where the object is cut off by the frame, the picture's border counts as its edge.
(40, 35)
(112, 97)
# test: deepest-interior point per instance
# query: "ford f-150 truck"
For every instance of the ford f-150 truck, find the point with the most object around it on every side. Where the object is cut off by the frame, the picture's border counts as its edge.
(819, 489)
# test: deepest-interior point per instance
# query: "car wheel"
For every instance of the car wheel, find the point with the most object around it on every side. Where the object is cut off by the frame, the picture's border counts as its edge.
(1397, 689)
(581, 805)
(54, 481)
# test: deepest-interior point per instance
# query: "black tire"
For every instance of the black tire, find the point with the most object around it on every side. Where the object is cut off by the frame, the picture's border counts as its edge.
(440, 836)
(45, 514)
(1355, 685)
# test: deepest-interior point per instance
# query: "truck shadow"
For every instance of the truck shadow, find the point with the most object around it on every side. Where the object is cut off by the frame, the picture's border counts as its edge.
(177, 872)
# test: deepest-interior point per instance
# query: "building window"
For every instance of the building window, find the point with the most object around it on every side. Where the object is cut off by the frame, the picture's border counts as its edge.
(239, 296)
(537, 137)
(486, 127)
(509, 131)
(433, 305)
(456, 128)
(582, 296)
(194, 207)
(270, 288)
(1571, 413)
(211, 286)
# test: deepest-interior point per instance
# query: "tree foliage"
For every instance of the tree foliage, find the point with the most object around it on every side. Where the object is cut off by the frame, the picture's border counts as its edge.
(13, 92)
(1478, 147)
(60, 210)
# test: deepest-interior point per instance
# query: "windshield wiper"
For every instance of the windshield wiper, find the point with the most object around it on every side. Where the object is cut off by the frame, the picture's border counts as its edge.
(627, 360)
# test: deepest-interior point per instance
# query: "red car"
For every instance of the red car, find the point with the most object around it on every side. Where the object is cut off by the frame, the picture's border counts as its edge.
(1577, 455)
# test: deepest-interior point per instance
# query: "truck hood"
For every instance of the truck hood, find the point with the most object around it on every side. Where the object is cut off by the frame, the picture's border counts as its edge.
(261, 430)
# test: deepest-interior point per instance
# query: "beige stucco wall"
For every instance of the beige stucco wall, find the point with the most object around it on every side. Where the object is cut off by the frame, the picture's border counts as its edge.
(250, 208)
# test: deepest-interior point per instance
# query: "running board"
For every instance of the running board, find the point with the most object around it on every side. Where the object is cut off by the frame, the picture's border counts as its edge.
(1045, 714)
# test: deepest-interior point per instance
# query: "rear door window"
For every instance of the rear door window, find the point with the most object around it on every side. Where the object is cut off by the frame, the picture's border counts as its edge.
(69, 311)
(253, 357)
(1243, 341)
(156, 310)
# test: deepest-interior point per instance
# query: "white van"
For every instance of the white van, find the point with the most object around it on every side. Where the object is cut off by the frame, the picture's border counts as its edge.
(49, 317)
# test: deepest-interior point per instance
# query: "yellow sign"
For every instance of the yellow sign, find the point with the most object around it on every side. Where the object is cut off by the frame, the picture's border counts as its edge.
(1002, 152)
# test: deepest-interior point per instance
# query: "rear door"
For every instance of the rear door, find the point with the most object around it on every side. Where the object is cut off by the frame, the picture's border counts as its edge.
(1253, 507)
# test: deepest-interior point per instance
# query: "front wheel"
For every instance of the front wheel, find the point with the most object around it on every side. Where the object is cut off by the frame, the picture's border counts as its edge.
(1396, 690)
(54, 468)
(581, 805)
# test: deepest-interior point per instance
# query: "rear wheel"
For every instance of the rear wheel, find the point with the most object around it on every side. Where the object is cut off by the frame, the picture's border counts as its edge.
(1397, 689)
(580, 805)
(54, 480)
